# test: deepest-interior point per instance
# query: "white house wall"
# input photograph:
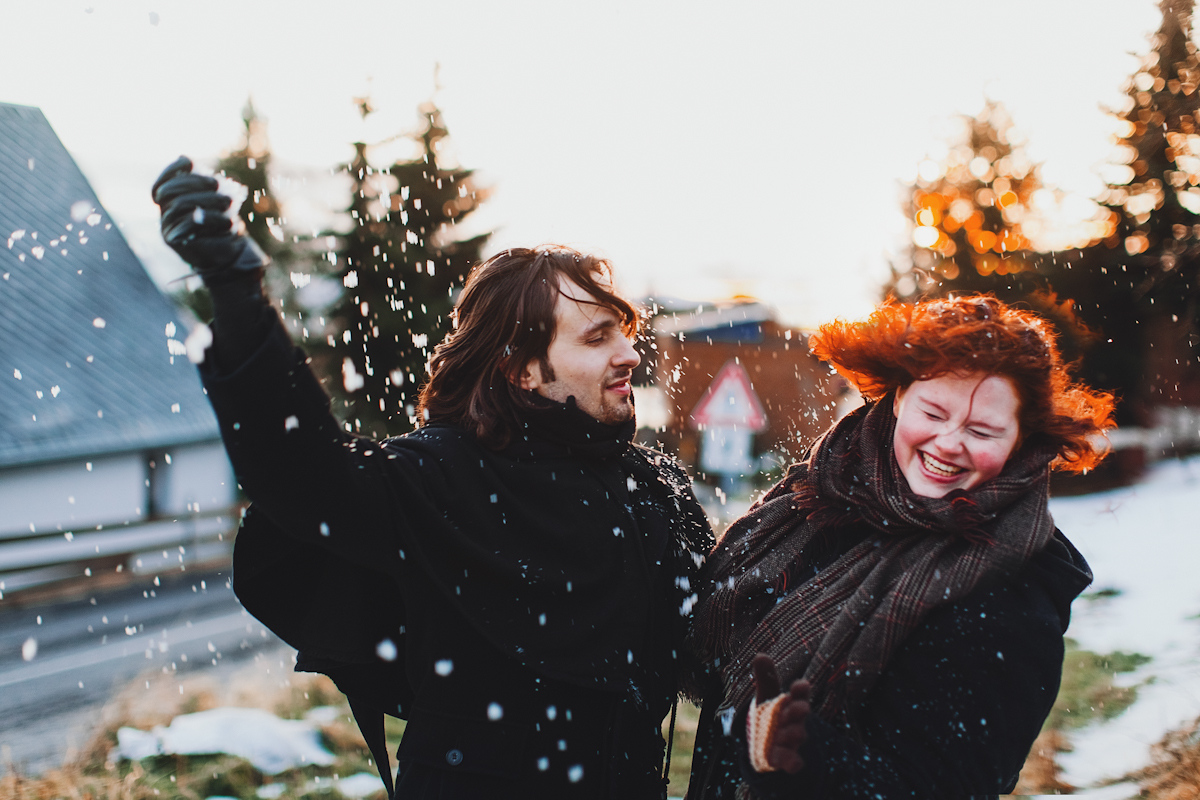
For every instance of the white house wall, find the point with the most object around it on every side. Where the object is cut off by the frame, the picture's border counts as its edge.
(72, 495)
(153, 511)
(196, 478)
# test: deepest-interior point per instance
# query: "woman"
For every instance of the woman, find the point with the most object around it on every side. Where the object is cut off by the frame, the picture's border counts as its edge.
(906, 579)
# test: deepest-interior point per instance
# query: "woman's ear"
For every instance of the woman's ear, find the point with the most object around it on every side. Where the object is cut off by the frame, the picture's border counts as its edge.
(896, 401)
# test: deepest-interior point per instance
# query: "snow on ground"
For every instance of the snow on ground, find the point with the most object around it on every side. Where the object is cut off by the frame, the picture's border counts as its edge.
(271, 744)
(1144, 542)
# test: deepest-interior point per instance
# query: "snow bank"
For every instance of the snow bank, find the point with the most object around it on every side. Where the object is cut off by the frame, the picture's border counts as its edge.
(358, 785)
(271, 744)
(362, 784)
(1144, 542)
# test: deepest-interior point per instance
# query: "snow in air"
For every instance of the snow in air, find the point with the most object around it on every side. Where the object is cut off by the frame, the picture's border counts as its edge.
(197, 342)
(236, 192)
(386, 650)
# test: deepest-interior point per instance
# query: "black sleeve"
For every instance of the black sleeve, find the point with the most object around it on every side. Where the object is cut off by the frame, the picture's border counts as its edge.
(242, 320)
(315, 481)
(954, 714)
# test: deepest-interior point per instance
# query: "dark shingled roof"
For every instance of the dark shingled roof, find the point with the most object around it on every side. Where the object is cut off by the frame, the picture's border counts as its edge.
(81, 323)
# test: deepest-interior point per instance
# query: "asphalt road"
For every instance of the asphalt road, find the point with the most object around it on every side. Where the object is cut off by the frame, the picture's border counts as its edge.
(60, 663)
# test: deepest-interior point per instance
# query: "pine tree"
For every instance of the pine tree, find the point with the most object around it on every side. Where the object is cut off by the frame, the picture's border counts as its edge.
(261, 212)
(1139, 286)
(400, 265)
(249, 165)
(968, 217)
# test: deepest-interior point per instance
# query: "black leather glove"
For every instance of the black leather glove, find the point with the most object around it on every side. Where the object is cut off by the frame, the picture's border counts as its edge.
(194, 224)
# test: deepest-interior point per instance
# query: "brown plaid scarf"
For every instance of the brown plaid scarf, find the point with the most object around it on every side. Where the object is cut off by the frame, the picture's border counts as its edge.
(839, 628)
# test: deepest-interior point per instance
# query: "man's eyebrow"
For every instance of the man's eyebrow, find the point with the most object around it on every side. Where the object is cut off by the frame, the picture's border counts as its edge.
(597, 325)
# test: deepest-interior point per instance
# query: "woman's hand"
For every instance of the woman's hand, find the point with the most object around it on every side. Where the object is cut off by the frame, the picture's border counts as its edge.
(775, 727)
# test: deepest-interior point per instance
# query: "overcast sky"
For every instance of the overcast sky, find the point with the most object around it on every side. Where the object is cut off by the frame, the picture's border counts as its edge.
(706, 147)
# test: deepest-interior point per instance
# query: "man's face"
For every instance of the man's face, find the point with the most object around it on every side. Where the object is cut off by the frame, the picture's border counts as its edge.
(590, 359)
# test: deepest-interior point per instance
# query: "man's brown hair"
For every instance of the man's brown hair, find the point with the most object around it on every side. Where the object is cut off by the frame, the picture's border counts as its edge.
(505, 320)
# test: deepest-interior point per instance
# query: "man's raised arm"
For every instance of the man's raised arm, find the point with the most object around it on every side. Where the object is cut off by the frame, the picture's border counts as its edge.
(312, 479)
(197, 224)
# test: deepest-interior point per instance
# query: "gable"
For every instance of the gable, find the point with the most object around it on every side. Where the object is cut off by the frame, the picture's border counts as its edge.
(84, 362)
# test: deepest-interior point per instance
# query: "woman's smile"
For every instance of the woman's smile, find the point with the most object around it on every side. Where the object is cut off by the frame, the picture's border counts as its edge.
(939, 467)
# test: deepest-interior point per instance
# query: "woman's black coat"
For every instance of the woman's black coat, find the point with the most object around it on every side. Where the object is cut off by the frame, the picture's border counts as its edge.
(952, 716)
(524, 609)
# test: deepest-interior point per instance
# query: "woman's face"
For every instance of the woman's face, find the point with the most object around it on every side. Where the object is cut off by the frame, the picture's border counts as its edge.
(955, 431)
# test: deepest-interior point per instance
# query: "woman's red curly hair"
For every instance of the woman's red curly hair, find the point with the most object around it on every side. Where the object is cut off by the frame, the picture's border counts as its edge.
(902, 343)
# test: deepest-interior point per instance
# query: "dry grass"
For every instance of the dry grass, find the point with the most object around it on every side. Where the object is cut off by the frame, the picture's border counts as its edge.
(681, 749)
(1174, 771)
(270, 684)
(1041, 773)
(267, 683)
(70, 782)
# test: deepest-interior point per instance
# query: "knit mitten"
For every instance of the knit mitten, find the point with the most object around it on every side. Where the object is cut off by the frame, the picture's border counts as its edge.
(775, 724)
(761, 725)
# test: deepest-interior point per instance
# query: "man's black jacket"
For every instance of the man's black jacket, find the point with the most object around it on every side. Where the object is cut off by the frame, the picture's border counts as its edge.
(523, 609)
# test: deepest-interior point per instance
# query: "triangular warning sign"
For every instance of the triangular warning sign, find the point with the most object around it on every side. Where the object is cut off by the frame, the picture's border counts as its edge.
(730, 402)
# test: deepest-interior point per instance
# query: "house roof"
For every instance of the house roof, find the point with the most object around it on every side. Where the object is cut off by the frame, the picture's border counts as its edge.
(85, 368)
(709, 319)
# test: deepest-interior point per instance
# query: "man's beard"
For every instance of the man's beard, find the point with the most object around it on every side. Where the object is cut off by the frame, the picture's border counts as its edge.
(617, 411)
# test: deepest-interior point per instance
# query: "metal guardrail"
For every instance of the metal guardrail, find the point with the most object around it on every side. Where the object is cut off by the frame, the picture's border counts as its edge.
(142, 547)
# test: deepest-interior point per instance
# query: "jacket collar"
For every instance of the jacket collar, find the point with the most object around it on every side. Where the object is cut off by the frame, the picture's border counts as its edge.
(550, 429)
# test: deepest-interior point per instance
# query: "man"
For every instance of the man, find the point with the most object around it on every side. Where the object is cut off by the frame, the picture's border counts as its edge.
(514, 577)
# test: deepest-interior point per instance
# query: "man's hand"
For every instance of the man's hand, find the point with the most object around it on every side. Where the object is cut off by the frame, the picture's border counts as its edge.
(195, 224)
(776, 725)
